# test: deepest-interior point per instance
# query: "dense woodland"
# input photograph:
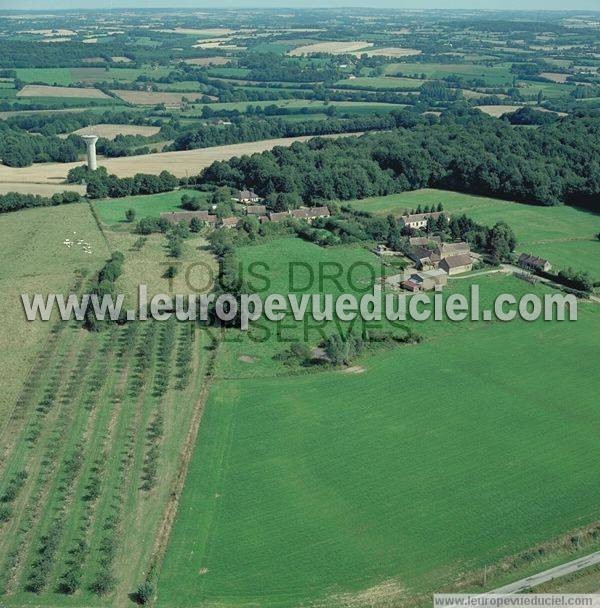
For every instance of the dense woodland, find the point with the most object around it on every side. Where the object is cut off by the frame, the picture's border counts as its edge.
(466, 151)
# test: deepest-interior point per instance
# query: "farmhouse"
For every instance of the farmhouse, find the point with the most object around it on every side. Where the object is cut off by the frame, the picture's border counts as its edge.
(531, 262)
(456, 264)
(425, 280)
(246, 196)
(423, 241)
(177, 216)
(433, 251)
(279, 216)
(419, 220)
(304, 213)
(256, 210)
(311, 213)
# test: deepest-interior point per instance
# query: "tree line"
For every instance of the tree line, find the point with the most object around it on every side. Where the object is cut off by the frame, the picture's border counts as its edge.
(14, 201)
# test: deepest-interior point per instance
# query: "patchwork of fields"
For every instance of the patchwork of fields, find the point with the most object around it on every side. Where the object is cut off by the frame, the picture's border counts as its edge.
(323, 488)
(177, 464)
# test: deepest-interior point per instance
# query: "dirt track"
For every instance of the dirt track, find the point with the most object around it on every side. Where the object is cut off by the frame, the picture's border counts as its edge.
(188, 162)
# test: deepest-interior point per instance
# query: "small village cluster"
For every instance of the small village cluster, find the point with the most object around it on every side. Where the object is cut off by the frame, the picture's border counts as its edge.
(433, 259)
(251, 201)
(68, 242)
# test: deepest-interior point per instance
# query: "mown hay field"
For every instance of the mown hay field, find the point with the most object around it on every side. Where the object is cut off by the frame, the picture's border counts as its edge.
(389, 51)
(38, 90)
(498, 111)
(335, 48)
(41, 189)
(208, 61)
(110, 131)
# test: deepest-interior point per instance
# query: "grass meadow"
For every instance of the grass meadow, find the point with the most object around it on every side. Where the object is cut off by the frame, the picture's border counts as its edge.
(35, 260)
(384, 82)
(493, 75)
(112, 211)
(347, 489)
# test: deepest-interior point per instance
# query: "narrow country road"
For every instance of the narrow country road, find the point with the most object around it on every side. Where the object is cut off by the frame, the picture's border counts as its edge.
(550, 574)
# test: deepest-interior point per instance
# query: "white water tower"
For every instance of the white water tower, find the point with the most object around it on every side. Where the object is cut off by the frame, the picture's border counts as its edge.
(90, 142)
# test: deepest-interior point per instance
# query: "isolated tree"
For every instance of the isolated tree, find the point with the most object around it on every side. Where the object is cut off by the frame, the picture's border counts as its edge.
(130, 215)
(195, 224)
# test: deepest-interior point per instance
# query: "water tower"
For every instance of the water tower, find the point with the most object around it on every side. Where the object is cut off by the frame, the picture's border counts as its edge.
(90, 142)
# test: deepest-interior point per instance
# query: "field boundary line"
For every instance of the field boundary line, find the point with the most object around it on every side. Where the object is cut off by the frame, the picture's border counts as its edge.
(166, 525)
(99, 224)
(550, 574)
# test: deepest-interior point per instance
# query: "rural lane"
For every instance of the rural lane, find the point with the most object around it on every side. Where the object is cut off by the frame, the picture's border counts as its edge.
(550, 574)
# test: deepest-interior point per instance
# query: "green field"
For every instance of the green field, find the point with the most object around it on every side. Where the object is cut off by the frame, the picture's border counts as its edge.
(226, 72)
(343, 489)
(51, 76)
(495, 75)
(273, 338)
(565, 235)
(112, 211)
(67, 76)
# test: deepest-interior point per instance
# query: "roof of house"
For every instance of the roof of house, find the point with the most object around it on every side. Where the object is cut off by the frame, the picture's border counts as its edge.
(256, 209)
(532, 260)
(448, 249)
(311, 212)
(246, 194)
(423, 240)
(277, 217)
(177, 216)
(455, 261)
(412, 284)
(422, 253)
(419, 217)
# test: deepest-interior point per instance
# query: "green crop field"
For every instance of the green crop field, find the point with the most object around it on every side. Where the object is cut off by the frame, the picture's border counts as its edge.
(340, 489)
(51, 76)
(384, 82)
(67, 76)
(565, 235)
(112, 211)
(494, 75)
(226, 72)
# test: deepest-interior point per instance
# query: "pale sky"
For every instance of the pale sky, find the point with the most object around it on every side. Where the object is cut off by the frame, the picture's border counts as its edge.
(399, 4)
